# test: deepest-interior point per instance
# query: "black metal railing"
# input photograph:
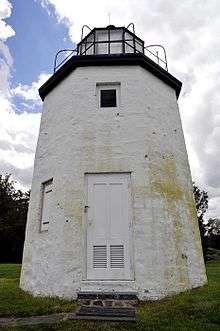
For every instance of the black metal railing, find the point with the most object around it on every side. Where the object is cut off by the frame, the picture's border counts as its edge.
(58, 65)
(156, 57)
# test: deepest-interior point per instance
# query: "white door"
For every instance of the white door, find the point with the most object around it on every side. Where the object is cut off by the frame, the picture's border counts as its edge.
(108, 226)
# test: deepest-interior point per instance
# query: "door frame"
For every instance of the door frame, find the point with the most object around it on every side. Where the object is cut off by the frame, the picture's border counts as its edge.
(85, 226)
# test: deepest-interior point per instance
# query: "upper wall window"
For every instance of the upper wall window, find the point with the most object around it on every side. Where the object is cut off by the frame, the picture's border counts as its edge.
(108, 94)
(108, 98)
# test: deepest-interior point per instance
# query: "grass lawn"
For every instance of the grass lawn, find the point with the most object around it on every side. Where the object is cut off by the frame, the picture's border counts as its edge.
(15, 302)
(198, 309)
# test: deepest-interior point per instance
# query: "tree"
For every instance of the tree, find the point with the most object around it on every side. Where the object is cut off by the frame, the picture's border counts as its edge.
(213, 232)
(13, 215)
(201, 200)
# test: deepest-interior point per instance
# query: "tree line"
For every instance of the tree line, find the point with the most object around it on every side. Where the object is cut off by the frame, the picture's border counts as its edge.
(13, 216)
(210, 229)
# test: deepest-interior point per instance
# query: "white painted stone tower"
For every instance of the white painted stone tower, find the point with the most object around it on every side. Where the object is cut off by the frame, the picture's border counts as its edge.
(111, 201)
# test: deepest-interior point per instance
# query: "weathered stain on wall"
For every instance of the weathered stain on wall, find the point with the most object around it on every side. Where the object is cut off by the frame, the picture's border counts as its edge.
(164, 181)
(179, 201)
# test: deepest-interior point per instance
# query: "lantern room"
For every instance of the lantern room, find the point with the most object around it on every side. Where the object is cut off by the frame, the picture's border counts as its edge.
(111, 40)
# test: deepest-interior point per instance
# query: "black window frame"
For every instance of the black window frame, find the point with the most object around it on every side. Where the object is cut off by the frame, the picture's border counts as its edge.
(108, 98)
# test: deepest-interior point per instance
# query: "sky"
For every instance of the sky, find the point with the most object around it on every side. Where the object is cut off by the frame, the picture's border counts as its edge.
(31, 32)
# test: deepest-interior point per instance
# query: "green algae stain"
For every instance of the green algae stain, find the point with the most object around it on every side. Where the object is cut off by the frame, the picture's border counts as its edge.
(164, 181)
(179, 202)
(169, 189)
(180, 206)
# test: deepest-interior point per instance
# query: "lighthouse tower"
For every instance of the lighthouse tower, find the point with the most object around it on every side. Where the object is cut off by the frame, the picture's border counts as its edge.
(111, 206)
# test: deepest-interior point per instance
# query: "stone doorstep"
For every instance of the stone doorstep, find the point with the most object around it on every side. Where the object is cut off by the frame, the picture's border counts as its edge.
(107, 295)
(108, 303)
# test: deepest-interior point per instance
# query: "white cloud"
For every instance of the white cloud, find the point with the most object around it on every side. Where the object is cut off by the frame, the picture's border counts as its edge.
(6, 31)
(30, 93)
(18, 138)
(4, 78)
(19, 132)
(6, 60)
(5, 54)
(5, 9)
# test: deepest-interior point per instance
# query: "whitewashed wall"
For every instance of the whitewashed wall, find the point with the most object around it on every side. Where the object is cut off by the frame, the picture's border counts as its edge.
(144, 136)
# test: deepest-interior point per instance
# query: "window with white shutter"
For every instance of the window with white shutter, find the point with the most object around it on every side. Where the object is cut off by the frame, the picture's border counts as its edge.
(46, 205)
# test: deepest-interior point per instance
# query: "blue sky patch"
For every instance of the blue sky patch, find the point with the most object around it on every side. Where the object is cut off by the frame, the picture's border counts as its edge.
(38, 38)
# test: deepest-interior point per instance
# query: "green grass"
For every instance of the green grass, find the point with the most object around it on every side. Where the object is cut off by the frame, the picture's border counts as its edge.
(212, 254)
(15, 302)
(194, 310)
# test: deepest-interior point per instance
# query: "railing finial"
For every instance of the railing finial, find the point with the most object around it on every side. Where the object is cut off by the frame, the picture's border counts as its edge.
(83, 27)
(164, 51)
(64, 60)
(131, 24)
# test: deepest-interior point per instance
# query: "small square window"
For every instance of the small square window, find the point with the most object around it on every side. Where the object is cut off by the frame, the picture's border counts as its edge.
(108, 98)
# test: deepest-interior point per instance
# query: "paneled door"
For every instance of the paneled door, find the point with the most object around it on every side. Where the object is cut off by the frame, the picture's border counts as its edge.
(108, 217)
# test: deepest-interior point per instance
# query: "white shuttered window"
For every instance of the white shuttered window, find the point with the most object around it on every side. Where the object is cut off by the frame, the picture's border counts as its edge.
(46, 206)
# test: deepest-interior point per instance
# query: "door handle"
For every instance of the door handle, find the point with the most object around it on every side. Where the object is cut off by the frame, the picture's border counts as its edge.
(85, 209)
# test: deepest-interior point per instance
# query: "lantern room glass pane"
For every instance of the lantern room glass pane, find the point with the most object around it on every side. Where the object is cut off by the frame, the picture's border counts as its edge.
(129, 46)
(82, 48)
(116, 34)
(128, 36)
(90, 38)
(89, 48)
(138, 46)
(116, 48)
(102, 35)
(102, 48)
